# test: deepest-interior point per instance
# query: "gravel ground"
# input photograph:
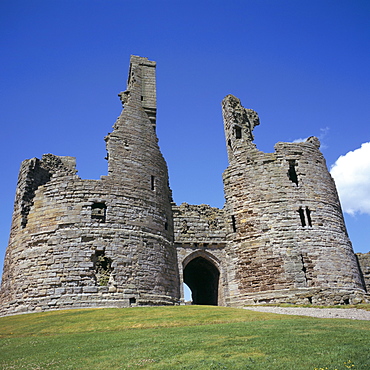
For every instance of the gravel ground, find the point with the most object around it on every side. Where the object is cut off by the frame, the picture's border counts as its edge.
(324, 313)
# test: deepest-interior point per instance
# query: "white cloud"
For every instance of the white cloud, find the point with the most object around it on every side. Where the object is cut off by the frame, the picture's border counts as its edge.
(300, 140)
(323, 133)
(351, 173)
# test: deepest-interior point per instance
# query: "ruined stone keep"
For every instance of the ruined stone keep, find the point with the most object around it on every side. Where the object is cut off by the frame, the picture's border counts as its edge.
(120, 241)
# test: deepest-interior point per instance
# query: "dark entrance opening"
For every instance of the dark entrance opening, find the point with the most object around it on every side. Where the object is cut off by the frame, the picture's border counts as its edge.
(201, 276)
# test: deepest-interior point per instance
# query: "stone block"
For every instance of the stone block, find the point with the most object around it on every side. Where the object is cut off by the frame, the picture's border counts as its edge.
(90, 289)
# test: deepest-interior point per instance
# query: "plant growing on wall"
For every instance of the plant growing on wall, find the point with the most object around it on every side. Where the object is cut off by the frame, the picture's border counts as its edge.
(103, 268)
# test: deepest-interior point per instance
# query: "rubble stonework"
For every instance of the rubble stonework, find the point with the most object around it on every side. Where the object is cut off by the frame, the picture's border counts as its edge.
(120, 241)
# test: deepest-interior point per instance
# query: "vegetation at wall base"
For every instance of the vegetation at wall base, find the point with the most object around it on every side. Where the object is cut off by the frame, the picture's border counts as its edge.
(181, 337)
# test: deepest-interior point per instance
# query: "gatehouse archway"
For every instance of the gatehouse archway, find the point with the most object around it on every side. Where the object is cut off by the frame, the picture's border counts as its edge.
(202, 277)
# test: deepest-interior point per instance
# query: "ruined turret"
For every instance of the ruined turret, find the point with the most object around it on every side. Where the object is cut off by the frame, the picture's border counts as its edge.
(286, 229)
(107, 242)
(120, 241)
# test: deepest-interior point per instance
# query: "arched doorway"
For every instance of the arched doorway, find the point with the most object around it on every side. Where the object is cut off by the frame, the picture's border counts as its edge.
(202, 276)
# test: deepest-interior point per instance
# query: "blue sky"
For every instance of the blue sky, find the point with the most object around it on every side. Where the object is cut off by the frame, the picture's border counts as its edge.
(302, 65)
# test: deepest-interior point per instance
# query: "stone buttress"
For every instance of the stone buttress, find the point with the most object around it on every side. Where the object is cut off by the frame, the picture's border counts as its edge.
(286, 234)
(87, 243)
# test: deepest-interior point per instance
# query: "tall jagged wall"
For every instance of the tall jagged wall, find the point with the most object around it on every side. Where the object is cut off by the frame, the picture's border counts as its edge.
(107, 242)
(120, 241)
(285, 224)
(364, 263)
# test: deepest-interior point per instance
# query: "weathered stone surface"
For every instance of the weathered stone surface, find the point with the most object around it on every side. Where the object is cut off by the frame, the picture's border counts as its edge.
(96, 242)
(285, 228)
(119, 241)
(200, 234)
(364, 263)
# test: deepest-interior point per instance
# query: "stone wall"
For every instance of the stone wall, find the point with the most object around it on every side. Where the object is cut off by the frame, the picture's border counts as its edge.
(200, 236)
(120, 241)
(107, 242)
(285, 224)
(364, 263)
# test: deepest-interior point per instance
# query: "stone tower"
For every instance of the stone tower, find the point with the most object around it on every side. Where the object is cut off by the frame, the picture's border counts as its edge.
(286, 232)
(107, 242)
(120, 241)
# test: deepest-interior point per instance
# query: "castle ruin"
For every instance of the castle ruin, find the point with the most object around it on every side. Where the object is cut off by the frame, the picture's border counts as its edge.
(120, 241)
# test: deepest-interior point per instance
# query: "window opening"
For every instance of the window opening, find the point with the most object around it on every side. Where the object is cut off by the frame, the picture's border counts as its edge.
(238, 132)
(308, 214)
(132, 300)
(166, 225)
(304, 269)
(152, 182)
(98, 211)
(292, 174)
(233, 222)
(103, 267)
(301, 215)
(229, 143)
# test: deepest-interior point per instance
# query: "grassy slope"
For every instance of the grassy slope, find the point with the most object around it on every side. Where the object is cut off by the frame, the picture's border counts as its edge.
(182, 337)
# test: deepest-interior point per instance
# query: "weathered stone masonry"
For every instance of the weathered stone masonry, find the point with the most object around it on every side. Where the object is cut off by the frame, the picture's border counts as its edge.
(288, 234)
(120, 241)
(107, 242)
(364, 263)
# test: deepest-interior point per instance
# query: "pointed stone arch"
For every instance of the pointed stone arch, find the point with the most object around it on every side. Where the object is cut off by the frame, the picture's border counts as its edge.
(201, 273)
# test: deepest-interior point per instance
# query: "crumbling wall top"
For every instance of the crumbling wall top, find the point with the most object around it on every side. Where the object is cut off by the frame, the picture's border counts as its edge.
(198, 223)
(59, 164)
(237, 117)
(141, 83)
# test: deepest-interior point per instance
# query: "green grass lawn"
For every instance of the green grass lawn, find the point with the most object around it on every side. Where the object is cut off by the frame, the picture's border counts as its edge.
(181, 337)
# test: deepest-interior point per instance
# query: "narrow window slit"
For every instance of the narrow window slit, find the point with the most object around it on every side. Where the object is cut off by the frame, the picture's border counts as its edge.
(238, 132)
(152, 182)
(304, 269)
(301, 215)
(233, 222)
(292, 174)
(308, 214)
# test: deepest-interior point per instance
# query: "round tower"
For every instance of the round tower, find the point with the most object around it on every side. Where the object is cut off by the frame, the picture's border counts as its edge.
(286, 229)
(107, 242)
